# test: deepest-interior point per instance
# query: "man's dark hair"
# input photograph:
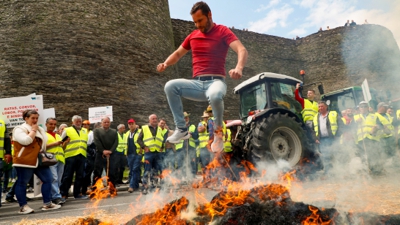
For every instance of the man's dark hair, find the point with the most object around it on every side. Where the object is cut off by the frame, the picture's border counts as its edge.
(200, 6)
(163, 119)
(322, 102)
(312, 91)
(50, 118)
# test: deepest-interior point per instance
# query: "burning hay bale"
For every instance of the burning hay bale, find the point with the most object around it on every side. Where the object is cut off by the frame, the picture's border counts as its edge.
(169, 214)
(266, 204)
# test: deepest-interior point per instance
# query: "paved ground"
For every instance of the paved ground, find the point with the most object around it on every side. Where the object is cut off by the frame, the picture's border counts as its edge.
(352, 192)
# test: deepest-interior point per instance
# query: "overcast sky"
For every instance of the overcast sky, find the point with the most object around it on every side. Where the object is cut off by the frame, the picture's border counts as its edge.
(288, 18)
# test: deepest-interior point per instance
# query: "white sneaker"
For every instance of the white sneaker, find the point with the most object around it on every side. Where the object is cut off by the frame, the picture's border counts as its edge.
(50, 206)
(218, 143)
(25, 210)
(178, 135)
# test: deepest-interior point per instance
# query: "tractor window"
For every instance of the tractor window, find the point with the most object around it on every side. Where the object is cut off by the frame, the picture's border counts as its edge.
(345, 101)
(252, 99)
(283, 97)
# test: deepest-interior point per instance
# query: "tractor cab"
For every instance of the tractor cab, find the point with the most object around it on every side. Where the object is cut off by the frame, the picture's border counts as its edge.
(267, 91)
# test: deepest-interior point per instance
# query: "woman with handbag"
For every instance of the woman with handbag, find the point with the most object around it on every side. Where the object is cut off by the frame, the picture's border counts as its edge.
(29, 140)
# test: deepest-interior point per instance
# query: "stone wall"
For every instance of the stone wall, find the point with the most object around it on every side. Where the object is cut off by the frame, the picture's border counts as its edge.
(81, 54)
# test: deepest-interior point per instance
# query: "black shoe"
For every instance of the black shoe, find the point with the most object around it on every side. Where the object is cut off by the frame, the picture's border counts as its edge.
(28, 199)
(10, 200)
(59, 201)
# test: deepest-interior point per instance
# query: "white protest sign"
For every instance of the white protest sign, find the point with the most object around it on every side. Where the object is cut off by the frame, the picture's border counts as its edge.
(365, 90)
(97, 113)
(49, 113)
(11, 109)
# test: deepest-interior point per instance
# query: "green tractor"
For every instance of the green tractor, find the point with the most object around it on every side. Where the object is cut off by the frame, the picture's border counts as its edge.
(271, 127)
(349, 98)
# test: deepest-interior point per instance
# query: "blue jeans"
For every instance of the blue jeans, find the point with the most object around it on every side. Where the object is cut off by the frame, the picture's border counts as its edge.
(24, 175)
(212, 91)
(57, 172)
(205, 157)
(134, 163)
(186, 159)
(169, 159)
(150, 165)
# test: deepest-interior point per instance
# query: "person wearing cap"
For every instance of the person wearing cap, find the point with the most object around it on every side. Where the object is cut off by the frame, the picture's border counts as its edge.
(368, 140)
(209, 45)
(134, 155)
(327, 127)
(387, 133)
(186, 152)
(204, 154)
(151, 140)
(75, 158)
(5, 150)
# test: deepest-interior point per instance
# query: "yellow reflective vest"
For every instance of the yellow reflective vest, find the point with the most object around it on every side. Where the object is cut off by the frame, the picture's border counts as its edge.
(204, 136)
(310, 110)
(2, 132)
(78, 142)
(134, 139)
(398, 117)
(332, 117)
(192, 142)
(122, 142)
(154, 143)
(57, 150)
(387, 123)
(227, 141)
(365, 128)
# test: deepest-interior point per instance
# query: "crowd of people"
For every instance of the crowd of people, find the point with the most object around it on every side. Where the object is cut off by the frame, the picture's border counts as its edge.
(372, 134)
(84, 155)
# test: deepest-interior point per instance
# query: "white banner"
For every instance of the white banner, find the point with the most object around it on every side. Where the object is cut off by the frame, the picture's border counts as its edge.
(97, 113)
(366, 92)
(11, 109)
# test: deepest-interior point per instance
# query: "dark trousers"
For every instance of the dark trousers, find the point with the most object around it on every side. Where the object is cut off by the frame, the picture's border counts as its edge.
(73, 165)
(122, 161)
(100, 163)
(24, 174)
(186, 160)
(169, 159)
(89, 167)
(151, 166)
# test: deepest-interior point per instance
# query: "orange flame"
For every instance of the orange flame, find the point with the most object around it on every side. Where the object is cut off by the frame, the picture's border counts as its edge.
(314, 218)
(100, 192)
(169, 214)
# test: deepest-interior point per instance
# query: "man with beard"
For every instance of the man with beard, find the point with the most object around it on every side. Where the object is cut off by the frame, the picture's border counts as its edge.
(209, 45)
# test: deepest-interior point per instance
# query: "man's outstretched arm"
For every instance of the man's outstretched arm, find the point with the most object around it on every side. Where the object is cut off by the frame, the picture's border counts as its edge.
(241, 51)
(172, 59)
